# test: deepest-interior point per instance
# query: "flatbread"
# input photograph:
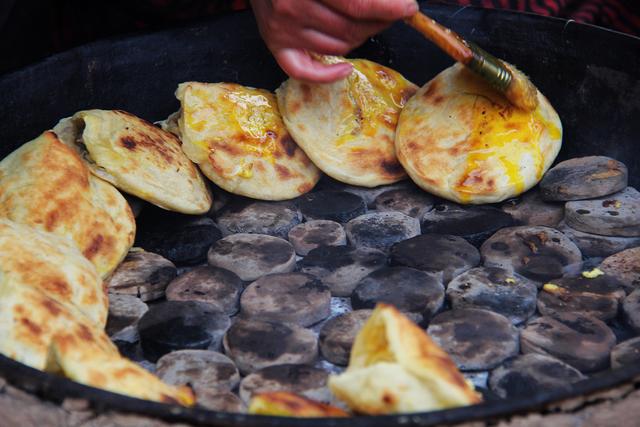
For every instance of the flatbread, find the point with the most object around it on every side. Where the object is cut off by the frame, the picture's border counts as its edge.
(461, 140)
(138, 158)
(347, 128)
(53, 266)
(396, 368)
(237, 137)
(40, 332)
(46, 185)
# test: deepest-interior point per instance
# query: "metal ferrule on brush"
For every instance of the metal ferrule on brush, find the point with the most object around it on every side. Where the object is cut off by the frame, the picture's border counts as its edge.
(489, 67)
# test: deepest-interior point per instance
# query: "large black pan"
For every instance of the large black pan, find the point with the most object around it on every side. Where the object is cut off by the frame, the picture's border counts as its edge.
(592, 77)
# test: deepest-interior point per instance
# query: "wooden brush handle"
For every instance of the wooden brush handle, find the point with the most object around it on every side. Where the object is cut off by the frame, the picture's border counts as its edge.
(446, 39)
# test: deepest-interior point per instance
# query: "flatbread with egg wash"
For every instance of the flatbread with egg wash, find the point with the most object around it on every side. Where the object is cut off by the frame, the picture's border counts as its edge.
(138, 158)
(395, 367)
(41, 332)
(53, 266)
(347, 128)
(237, 137)
(463, 141)
(46, 185)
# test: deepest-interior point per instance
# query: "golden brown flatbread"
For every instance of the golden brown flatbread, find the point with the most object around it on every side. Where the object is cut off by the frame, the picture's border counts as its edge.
(285, 404)
(46, 185)
(461, 140)
(347, 128)
(396, 368)
(237, 137)
(137, 157)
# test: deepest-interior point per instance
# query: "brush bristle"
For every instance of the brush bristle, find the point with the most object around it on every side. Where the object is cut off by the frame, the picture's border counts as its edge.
(521, 92)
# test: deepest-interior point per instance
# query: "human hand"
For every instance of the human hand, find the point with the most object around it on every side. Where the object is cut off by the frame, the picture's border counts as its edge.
(295, 29)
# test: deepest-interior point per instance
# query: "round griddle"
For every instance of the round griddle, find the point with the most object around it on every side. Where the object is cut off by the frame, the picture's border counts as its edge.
(589, 74)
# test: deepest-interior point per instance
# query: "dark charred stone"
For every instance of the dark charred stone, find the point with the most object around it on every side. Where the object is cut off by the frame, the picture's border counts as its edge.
(252, 256)
(182, 239)
(288, 298)
(624, 266)
(220, 401)
(626, 353)
(475, 339)
(380, 230)
(337, 335)
(369, 195)
(342, 267)
(203, 370)
(130, 350)
(473, 223)
(250, 216)
(310, 235)
(124, 310)
(494, 289)
(581, 341)
(302, 380)
(614, 215)
(584, 178)
(408, 289)
(181, 325)
(208, 284)
(598, 246)
(537, 253)
(531, 374)
(253, 345)
(451, 255)
(599, 297)
(409, 201)
(142, 274)
(530, 209)
(338, 206)
(631, 310)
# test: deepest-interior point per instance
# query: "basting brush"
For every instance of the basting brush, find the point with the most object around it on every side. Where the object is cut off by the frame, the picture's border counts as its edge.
(515, 86)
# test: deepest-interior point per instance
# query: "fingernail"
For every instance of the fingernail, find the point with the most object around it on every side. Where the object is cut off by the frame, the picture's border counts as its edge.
(411, 8)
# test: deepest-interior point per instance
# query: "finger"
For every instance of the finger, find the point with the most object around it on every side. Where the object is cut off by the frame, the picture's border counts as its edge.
(300, 66)
(378, 10)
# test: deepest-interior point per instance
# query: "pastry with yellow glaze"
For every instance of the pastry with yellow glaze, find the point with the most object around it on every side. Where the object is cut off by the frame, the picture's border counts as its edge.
(395, 367)
(463, 141)
(236, 135)
(348, 127)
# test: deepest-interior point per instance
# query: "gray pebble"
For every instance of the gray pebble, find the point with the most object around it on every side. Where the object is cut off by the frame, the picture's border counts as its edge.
(531, 209)
(624, 266)
(252, 256)
(287, 297)
(584, 178)
(303, 380)
(475, 339)
(124, 310)
(142, 274)
(614, 215)
(380, 230)
(253, 345)
(409, 201)
(369, 195)
(248, 216)
(626, 353)
(337, 335)
(408, 289)
(596, 245)
(451, 255)
(599, 297)
(581, 341)
(203, 370)
(531, 374)
(310, 235)
(338, 206)
(494, 289)
(631, 310)
(342, 267)
(208, 284)
(538, 253)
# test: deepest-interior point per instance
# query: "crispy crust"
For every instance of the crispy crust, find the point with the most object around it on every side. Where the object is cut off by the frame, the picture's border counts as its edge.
(285, 404)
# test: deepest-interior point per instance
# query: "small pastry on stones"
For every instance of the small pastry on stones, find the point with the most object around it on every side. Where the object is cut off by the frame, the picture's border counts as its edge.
(396, 368)
(284, 404)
